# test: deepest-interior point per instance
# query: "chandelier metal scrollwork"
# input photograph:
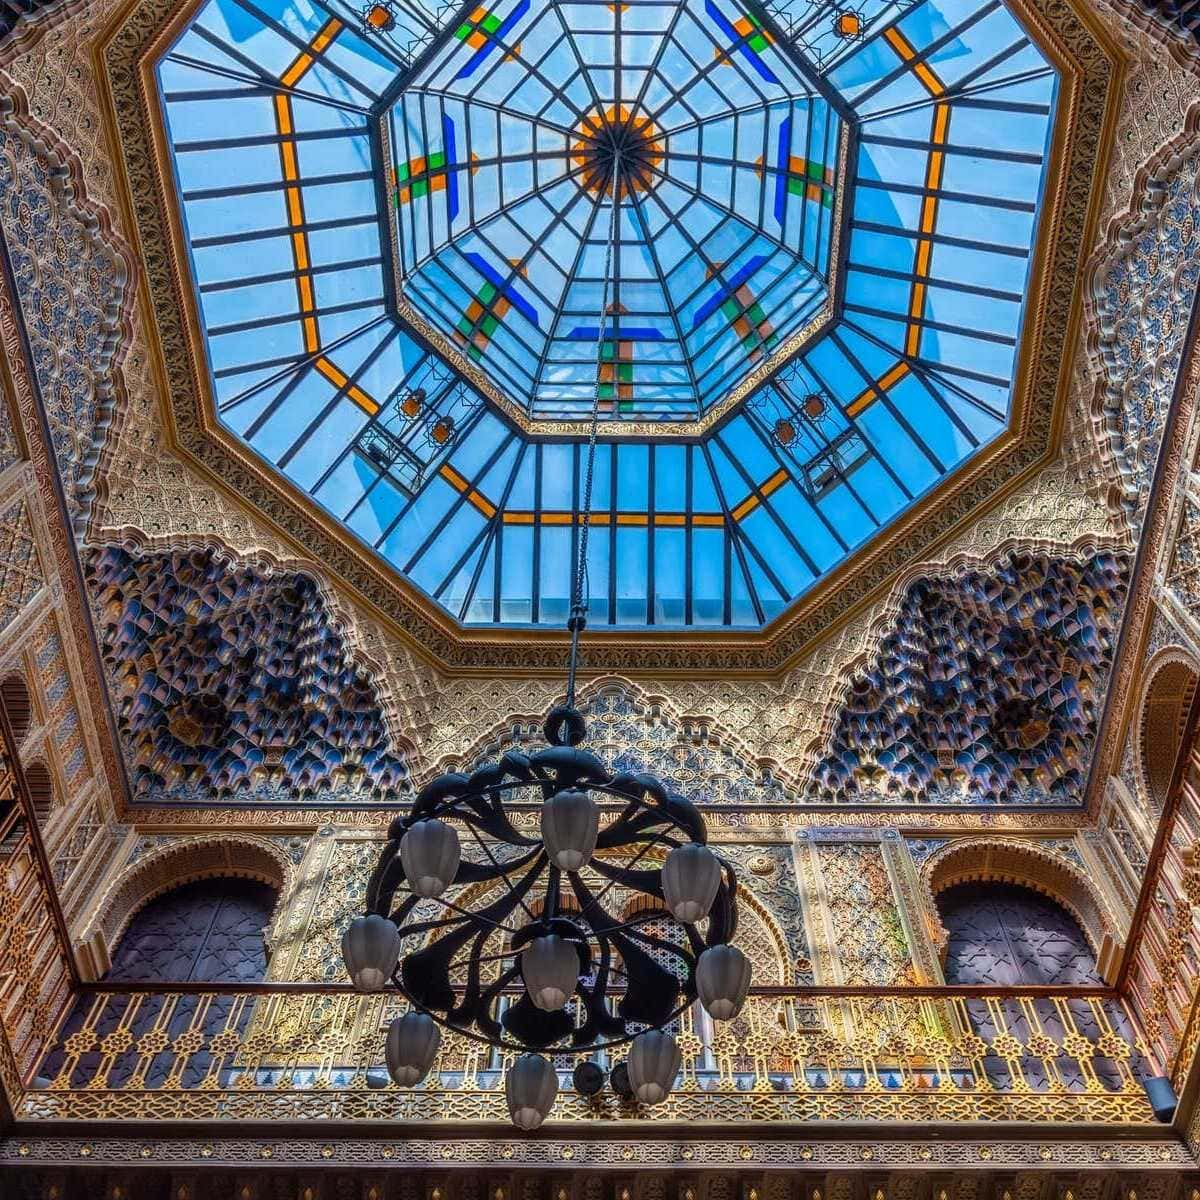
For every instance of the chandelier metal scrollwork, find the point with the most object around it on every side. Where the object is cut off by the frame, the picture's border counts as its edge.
(530, 952)
(519, 941)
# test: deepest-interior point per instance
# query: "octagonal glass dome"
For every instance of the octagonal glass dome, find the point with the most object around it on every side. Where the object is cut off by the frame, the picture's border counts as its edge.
(508, 146)
(397, 221)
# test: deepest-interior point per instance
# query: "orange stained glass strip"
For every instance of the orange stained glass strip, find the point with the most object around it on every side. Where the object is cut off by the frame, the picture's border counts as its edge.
(924, 253)
(659, 520)
(294, 199)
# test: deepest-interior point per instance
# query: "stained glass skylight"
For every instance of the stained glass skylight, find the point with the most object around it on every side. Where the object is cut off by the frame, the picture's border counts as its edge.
(397, 225)
(504, 147)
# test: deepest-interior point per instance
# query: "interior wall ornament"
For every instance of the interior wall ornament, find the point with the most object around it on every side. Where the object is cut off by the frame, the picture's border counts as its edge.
(1168, 685)
(1008, 860)
(233, 680)
(71, 276)
(986, 689)
(178, 861)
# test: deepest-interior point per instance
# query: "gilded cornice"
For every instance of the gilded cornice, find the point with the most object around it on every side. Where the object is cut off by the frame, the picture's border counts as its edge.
(1090, 71)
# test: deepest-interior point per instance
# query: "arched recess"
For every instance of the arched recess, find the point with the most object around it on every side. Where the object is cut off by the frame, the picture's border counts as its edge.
(1170, 684)
(1005, 934)
(208, 930)
(40, 784)
(17, 705)
(167, 867)
(993, 860)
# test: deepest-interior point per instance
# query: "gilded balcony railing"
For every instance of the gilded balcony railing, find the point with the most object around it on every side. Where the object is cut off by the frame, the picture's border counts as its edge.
(291, 1055)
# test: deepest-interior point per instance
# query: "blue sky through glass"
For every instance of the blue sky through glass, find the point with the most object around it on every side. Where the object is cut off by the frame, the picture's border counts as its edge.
(324, 194)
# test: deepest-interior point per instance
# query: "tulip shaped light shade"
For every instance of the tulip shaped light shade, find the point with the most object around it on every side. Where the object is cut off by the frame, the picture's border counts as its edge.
(429, 853)
(691, 876)
(654, 1062)
(723, 980)
(412, 1045)
(370, 950)
(550, 968)
(530, 1086)
(570, 825)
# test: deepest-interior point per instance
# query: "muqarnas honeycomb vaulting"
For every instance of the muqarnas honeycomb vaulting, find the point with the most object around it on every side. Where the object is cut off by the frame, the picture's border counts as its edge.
(233, 680)
(986, 689)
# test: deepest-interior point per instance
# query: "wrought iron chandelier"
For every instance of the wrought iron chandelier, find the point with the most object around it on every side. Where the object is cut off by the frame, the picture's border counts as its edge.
(516, 940)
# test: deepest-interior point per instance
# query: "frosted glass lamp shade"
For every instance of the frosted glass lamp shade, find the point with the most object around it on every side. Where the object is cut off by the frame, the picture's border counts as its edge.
(370, 950)
(691, 875)
(429, 853)
(412, 1045)
(654, 1062)
(570, 825)
(550, 968)
(723, 979)
(530, 1086)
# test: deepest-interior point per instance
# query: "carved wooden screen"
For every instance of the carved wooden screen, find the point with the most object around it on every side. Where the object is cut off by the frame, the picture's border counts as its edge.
(210, 930)
(1008, 935)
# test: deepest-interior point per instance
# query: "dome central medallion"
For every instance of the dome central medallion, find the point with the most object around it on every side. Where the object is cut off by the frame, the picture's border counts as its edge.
(499, 151)
(619, 140)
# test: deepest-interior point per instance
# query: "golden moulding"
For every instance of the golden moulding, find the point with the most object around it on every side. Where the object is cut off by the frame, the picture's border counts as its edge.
(1089, 70)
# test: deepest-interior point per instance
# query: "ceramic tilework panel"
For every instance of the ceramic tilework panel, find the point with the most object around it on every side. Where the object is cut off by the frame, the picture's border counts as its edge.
(232, 680)
(21, 575)
(868, 936)
(1144, 297)
(71, 285)
(985, 690)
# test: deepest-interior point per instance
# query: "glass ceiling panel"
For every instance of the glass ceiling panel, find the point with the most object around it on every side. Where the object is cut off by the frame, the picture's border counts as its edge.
(399, 239)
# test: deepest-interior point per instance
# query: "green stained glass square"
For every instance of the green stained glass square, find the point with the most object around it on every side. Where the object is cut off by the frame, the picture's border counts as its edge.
(758, 43)
(625, 372)
(489, 324)
(490, 23)
(436, 161)
(796, 185)
(816, 171)
(420, 188)
(487, 293)
(463, 31)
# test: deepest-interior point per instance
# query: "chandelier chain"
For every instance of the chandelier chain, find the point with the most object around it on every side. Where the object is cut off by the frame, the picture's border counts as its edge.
(577, 619)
